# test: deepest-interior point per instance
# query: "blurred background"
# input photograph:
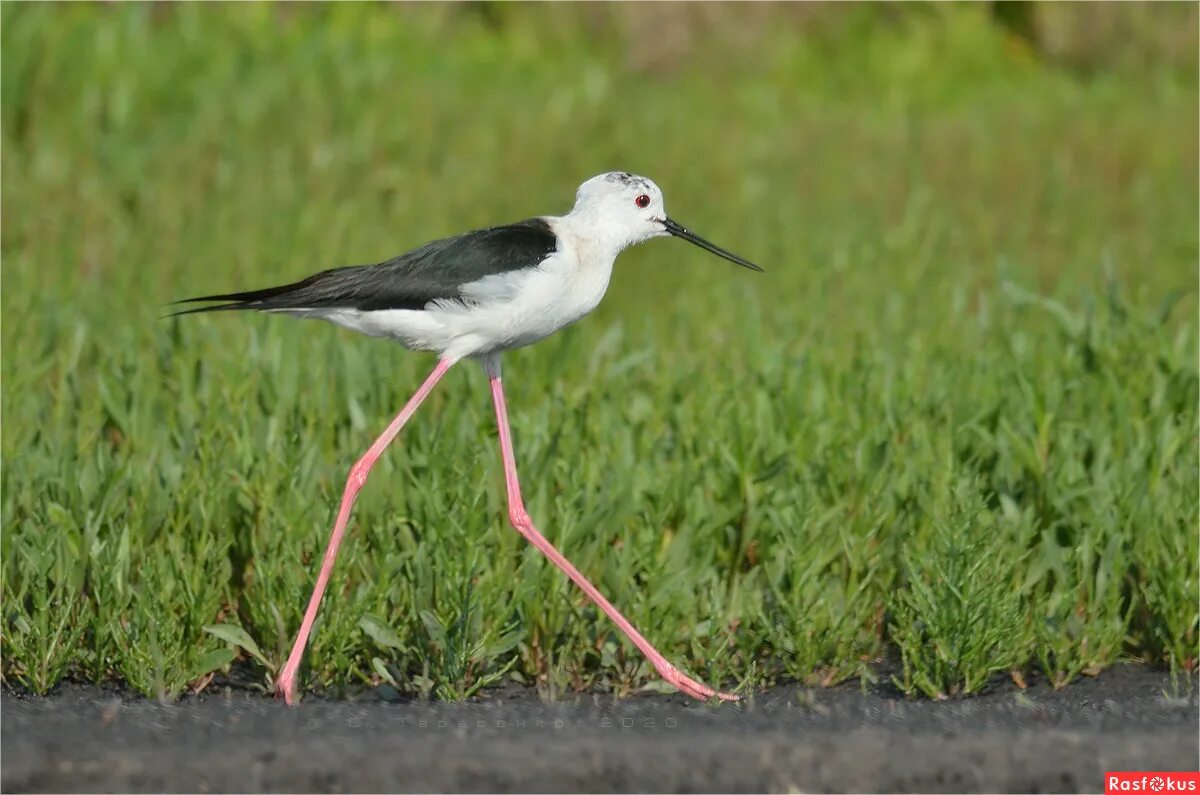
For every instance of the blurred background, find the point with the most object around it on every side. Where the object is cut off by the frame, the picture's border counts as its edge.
(978, 322)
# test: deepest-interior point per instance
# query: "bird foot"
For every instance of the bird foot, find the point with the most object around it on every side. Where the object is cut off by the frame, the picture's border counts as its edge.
(285, 686)
(691, 687)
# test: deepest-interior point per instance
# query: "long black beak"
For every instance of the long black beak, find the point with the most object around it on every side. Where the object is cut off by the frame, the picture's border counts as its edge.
(692, 237)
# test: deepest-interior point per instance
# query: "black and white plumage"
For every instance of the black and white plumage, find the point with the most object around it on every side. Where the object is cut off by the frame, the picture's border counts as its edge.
(476, 295)
(488, 290)
(436, 271)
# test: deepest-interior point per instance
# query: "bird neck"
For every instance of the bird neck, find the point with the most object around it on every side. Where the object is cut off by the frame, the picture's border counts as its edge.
(594, 235)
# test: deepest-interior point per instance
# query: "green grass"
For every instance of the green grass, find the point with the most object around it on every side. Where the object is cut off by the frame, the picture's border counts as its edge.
(955, 421)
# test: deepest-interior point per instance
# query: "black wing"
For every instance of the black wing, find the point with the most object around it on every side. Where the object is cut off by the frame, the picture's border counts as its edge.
(436, 271)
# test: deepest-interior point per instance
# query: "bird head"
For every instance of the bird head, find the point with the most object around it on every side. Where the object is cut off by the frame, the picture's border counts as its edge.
(628, 209)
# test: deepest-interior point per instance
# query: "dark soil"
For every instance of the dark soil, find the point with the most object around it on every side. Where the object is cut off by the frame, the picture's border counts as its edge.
(791, 739)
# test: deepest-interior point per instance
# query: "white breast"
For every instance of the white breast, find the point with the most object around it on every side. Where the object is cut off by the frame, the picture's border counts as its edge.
(502, 311)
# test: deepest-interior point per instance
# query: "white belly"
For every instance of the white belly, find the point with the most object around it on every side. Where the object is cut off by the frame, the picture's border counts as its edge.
(501, 312)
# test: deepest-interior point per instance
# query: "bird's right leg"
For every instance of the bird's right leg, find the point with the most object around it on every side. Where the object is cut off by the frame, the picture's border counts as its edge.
(285, 685)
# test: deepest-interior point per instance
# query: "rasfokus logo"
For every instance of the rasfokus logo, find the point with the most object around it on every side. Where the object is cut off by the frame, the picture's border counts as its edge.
(1152, 782)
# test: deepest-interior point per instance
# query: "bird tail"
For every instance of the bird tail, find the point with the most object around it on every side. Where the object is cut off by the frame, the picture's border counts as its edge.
(253, 299)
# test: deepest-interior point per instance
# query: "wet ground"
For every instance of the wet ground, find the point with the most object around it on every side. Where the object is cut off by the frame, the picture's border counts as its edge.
(791, 739)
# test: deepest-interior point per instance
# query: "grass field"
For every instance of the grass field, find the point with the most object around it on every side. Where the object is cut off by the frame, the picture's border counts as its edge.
(955, 421)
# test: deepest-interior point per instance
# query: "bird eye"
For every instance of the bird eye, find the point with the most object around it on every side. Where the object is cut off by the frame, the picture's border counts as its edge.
(642, 201)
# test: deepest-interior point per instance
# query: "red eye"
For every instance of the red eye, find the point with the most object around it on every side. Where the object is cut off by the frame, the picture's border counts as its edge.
(642, 201)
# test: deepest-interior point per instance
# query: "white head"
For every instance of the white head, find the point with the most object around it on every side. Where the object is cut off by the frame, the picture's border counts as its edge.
(626, 209)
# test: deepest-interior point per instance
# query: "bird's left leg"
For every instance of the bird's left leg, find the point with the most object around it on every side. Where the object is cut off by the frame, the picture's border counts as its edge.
(524, 525)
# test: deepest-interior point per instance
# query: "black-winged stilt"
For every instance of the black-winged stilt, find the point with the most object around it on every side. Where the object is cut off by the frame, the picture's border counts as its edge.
(474, 296)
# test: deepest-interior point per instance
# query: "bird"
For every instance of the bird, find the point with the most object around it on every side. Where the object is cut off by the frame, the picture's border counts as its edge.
(474, 296)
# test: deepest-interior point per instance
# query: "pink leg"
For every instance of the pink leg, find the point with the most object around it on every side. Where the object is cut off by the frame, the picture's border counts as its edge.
(524, 525)
(286, 683)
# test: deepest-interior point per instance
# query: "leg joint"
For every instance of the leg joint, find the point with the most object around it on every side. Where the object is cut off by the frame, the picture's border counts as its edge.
(518, 516)
(358, 473)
